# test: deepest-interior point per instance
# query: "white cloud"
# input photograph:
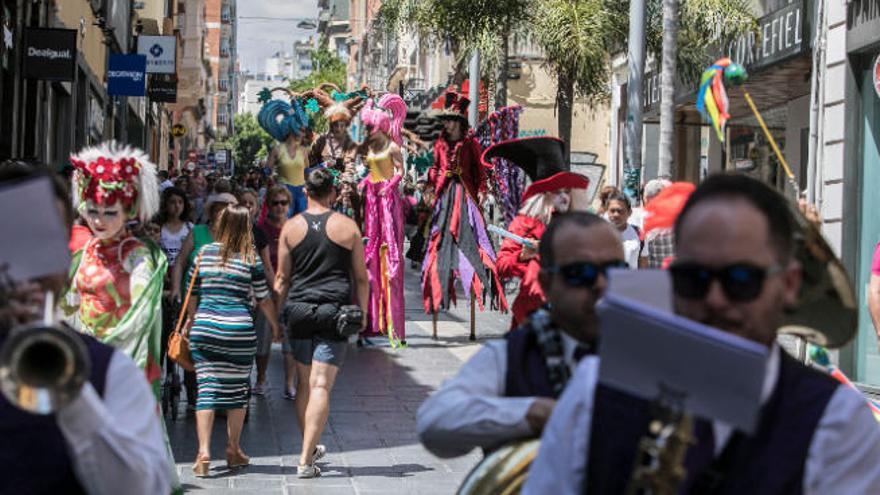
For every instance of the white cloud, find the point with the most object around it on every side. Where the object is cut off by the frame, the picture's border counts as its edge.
(259, 39)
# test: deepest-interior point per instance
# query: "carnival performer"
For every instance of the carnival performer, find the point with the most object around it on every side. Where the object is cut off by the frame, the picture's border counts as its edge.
(116, 280)
(336, 149)
(383, 215)
(459, 247)
(552, 191)
(287, 123)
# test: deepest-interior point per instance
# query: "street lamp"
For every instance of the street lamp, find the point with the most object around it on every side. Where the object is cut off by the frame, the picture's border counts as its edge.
(307, 25)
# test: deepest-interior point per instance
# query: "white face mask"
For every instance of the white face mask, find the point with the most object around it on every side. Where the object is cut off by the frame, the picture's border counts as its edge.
(105, 222)
(561, 201)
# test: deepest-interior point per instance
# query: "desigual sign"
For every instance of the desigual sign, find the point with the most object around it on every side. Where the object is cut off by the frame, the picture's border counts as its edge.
(49, 54)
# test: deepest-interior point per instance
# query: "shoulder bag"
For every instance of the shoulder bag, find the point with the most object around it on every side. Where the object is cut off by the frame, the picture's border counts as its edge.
(178, 342)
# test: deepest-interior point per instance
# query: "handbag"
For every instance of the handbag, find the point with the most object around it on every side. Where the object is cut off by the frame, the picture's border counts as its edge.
(178, 343)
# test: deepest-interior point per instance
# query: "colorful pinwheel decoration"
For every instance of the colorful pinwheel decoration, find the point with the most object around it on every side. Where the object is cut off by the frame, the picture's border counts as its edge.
(712, 100)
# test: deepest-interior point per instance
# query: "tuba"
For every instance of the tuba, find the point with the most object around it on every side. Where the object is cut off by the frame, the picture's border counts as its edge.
(43, 366)
(826, 314)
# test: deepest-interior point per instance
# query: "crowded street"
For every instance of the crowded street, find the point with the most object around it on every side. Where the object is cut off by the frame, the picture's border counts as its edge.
(538, 247)
(371, 435)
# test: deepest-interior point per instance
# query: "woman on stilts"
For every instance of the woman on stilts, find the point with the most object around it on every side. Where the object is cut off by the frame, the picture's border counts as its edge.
(458, 248)
(383, 215)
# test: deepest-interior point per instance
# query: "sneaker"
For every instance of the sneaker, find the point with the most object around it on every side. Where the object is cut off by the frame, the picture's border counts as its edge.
(290, 394)
(310, 471)
(319, 452)
(259, 389)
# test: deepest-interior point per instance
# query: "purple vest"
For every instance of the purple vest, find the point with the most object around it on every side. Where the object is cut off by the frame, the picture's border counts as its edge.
(33, 454)
(526, 367)
(769, 462)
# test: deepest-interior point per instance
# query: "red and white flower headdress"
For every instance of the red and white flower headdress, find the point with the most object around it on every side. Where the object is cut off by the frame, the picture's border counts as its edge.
(111, 174)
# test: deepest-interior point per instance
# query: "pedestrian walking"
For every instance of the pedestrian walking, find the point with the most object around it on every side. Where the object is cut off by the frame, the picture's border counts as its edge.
(320, 254)
(618, 212)
(250, 199)
(278, 199)
(174, 218)
(222, 339)
(508, 389)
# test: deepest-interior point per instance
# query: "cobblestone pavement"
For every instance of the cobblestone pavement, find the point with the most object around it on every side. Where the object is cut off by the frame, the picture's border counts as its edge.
(370, 437)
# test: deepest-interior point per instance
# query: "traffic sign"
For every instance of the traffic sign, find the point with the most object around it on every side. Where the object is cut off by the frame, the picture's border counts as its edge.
(178, 130)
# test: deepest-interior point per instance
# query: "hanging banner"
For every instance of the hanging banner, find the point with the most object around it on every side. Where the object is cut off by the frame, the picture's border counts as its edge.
(161, 52)
(126, 75)
(49, 54)
(163, 89)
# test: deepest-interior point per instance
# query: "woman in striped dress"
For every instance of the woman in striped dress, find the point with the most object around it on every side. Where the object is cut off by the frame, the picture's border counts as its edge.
(222, 338)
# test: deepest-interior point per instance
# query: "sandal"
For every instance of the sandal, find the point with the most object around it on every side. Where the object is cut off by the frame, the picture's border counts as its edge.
(308, 471)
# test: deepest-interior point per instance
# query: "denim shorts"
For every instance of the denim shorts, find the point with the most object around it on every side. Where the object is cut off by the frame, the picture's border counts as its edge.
(317, 349)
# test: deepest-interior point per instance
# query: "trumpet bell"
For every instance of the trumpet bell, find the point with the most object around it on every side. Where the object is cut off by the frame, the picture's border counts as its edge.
(42, 368)
(503, 472)
(826, 312)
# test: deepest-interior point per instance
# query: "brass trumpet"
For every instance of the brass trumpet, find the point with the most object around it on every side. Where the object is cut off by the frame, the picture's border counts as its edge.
(43, 366)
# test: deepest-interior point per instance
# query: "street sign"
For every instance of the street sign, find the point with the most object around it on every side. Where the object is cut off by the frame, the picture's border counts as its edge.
(161, 53)
(126, 75)
(220, 156)
(178, 130)
(49, 54)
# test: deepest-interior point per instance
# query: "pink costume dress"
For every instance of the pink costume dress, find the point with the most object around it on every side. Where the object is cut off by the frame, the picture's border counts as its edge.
(383, 228)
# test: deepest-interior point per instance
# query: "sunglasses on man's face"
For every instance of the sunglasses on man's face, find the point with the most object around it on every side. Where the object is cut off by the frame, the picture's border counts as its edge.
(280, 202)
(740, 282)
(585, 274)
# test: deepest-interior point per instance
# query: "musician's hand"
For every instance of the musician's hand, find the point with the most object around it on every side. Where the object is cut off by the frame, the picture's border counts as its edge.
(539, 412)
(24, 304)
(528, 253)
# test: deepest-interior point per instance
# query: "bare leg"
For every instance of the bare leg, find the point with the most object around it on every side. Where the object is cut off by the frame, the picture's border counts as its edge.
(204, 424)
(262, 365)
(234, 423)
(434, 324)
(289, 371)
(322, 378)
(473, 317)
(303, 372)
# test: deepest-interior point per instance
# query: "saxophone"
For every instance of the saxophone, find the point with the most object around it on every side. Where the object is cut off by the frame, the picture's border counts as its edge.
(659, 465)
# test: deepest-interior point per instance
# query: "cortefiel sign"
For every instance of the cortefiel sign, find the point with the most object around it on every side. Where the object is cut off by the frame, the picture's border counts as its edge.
(49, 54)
(126, 75)
(161, 52)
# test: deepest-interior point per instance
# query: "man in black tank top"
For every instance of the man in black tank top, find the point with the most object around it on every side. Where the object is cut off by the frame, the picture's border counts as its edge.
(320, 263)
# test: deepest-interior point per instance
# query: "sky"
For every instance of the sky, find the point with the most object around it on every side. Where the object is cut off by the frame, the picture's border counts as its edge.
(260, 39)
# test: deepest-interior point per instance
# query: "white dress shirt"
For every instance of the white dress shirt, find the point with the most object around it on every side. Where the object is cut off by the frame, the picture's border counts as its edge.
(470, 409)
(843, 457)
(116, 444)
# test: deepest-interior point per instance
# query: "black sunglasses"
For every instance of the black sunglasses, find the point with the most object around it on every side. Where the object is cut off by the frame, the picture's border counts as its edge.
(585, 274)
(741, 282)
(279, 203)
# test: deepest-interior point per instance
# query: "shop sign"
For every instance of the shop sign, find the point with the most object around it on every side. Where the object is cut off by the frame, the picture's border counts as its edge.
(49, 54)
(221, 157)
(780, 36)
(126, 75)
(862, 24)
(178, 130)
(163, 89)
(161, 52)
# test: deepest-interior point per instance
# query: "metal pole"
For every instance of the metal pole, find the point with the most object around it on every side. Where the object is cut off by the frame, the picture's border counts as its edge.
(667, 87)
(815, 89)
(636, 64)
(474, 93)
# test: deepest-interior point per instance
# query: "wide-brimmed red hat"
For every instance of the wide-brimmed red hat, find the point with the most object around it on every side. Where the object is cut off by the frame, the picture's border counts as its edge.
(556, 182)
(451, 105)
(538, 156)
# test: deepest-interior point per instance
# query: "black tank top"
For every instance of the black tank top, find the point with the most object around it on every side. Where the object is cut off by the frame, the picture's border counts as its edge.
(321, 268)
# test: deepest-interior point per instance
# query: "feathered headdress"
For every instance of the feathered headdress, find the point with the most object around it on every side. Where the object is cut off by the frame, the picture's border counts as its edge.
(386, 115)
(338, 105)
(111, 174)
(281, 118)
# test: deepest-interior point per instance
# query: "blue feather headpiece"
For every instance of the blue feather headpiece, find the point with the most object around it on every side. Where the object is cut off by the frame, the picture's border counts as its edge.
(281, 118)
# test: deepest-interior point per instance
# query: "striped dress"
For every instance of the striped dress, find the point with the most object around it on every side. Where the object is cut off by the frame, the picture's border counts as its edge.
(222, 339)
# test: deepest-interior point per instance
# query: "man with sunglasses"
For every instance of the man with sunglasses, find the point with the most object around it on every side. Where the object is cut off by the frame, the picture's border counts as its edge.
(508, 389)
(735, 271)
